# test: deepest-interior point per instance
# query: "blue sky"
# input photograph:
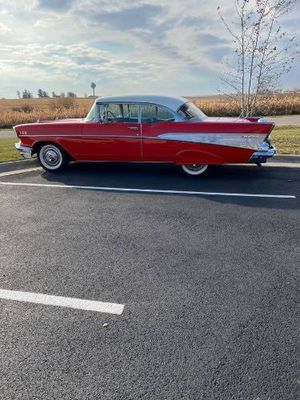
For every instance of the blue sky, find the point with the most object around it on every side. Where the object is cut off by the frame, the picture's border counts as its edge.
(140, 46)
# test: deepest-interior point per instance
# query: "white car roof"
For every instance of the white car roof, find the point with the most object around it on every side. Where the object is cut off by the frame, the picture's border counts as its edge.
(172, 102)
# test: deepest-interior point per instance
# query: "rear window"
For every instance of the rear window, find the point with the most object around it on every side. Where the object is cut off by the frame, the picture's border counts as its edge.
(190, 111)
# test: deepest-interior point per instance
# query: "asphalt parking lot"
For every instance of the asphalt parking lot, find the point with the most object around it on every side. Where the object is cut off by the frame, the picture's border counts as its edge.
(204, 279)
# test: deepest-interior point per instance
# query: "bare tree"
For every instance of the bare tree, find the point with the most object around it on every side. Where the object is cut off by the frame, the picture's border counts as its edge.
(263, 51)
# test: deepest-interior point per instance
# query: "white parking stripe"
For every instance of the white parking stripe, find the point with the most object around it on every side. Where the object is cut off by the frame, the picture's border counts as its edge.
(275, 164)
(162, 191)
(19, 171)
(60, 301)
(283, 165)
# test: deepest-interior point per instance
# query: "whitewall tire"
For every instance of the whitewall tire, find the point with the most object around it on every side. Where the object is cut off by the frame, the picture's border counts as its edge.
(194, 169)
(51, 157)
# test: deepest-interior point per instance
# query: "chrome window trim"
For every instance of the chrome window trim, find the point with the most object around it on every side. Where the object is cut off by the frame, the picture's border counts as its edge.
(177, 117)
(118, 102)
(172, 102)
(98, 104)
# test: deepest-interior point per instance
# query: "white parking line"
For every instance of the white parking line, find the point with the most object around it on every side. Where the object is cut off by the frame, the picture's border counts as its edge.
(19, 171)
(60, 301)
(283, 164)
(162, 191)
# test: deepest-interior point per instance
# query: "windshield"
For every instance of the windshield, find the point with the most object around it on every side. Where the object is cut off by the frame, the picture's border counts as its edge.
(92, 115)
(190, 111)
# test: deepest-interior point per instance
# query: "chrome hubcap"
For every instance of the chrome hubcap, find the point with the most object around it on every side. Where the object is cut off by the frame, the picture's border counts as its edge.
(51, 157)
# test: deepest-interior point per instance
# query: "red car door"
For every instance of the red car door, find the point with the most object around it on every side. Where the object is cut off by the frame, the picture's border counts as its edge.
(156, 121)
(117, 137)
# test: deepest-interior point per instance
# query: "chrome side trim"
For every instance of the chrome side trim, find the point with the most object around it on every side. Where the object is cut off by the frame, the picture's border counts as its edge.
(84, 136)
(51, 134)
(253, 141)
(243, 140)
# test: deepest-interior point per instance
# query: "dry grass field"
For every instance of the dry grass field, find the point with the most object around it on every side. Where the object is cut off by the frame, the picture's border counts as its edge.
(277, 104)
(19, 111)
(13, 112)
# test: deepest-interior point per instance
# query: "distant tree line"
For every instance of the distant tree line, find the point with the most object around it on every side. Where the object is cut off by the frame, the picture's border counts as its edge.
(26, 94)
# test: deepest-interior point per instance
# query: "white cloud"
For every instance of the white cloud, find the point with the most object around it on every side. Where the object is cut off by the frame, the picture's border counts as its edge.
(4, 28)
(156, 45)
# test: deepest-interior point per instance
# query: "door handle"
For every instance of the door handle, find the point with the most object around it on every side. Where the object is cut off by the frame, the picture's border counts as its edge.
(134, 128)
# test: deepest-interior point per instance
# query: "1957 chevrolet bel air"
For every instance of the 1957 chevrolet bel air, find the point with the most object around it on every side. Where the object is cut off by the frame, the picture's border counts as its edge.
(147, 129)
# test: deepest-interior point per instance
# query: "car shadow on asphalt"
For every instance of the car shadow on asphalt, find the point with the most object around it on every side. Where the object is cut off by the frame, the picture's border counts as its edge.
(222, 179)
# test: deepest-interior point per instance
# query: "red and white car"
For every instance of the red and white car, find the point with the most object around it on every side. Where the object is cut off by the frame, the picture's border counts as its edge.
(147, 129)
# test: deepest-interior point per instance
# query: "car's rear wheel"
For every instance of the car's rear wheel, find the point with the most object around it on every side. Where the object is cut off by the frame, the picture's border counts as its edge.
(51, 157)
(194, 169)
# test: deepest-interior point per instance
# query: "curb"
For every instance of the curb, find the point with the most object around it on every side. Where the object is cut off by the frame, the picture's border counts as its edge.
(22, 164)
(16, 165)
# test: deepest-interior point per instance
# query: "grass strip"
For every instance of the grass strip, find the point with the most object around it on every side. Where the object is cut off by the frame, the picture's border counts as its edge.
(286, 139)
(8, 152)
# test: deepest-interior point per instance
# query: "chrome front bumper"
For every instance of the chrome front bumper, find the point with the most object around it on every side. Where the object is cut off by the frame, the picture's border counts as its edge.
(261, 156)
(25, 151)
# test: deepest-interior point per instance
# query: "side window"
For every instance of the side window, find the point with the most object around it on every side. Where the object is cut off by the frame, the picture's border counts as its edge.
(130, 112)
(113, 112)
(152, 113)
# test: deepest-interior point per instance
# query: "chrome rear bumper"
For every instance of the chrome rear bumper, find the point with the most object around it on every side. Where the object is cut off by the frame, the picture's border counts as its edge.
(259, 157)
(25, 151)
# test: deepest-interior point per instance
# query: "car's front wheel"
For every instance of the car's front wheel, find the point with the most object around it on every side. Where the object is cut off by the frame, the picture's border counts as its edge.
(51, 157)
(194, 169)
